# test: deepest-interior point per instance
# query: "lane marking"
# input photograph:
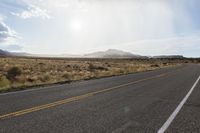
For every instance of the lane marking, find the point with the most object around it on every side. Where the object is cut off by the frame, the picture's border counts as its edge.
(73, 99)
(177, 110)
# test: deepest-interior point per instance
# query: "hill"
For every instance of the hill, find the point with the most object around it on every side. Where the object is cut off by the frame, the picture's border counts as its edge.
(112, 53)
(7, 53)
(4, 53)
(169, 57)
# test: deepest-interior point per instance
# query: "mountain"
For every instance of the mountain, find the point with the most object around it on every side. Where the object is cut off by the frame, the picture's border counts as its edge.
(169, 57)
(21, 54)
(4, 53)
(112, 53)
(70, 55)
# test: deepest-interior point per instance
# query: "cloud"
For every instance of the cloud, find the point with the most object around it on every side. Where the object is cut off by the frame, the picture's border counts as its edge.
(33, 12)
(187, 45)
(7, 35)
(25, 9)
(12, 47)
(101, 24)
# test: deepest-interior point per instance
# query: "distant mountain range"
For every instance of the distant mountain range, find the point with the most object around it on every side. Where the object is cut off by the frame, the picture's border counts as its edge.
(7, 53)
(169, 56)
(4, 53)
(110, 53)
(113, 53)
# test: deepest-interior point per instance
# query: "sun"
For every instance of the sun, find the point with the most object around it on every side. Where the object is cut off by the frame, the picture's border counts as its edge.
(76, 25)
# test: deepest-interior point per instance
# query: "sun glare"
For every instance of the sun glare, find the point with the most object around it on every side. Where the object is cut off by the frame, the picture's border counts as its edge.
(76, 25)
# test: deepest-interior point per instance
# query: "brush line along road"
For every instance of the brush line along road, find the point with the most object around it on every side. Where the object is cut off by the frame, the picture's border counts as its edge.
(164, 100)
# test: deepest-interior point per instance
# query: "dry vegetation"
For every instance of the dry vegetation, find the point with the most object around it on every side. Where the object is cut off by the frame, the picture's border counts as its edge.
(20, 73)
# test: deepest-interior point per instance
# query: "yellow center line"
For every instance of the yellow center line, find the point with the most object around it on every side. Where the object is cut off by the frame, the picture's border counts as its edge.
(73, 99)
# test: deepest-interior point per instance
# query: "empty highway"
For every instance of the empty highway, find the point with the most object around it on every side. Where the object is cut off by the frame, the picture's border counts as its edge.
(164, 100)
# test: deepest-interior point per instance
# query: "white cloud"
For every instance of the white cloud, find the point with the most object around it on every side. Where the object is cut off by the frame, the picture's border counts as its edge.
(187, 45)
(87, 25)
(7, 35)
(33, 11)
(11, 47)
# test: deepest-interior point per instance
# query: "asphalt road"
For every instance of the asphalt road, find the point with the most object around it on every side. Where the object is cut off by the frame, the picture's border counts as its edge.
(165, 100)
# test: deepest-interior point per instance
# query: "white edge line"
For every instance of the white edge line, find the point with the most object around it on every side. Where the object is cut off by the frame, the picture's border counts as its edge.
(176, 111)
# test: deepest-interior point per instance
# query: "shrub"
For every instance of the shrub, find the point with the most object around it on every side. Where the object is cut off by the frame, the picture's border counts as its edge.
(66, 75)
(154, 65)
(4, 82)
(44, 78)
(13, 72)
(92, 67)
(32, 79)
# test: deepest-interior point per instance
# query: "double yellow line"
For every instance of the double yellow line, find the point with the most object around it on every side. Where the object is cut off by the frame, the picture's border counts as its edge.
(73, 99)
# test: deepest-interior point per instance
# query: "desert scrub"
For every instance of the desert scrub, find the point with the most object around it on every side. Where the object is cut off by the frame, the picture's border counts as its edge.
(4, 82)
(44, 78)
(68, 76)
(38, 71)
(13, 72)
(93, 67)
(155, 65)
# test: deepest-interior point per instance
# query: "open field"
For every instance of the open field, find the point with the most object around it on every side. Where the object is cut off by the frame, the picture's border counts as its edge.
(20, 73)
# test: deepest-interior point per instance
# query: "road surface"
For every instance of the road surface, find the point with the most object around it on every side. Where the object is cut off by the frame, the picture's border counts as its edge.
(164, 100)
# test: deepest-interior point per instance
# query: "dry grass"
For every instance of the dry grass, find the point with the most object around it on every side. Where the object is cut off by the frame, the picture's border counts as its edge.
(40, 71)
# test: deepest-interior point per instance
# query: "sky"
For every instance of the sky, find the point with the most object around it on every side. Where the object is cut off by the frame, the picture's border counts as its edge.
(146, 27)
